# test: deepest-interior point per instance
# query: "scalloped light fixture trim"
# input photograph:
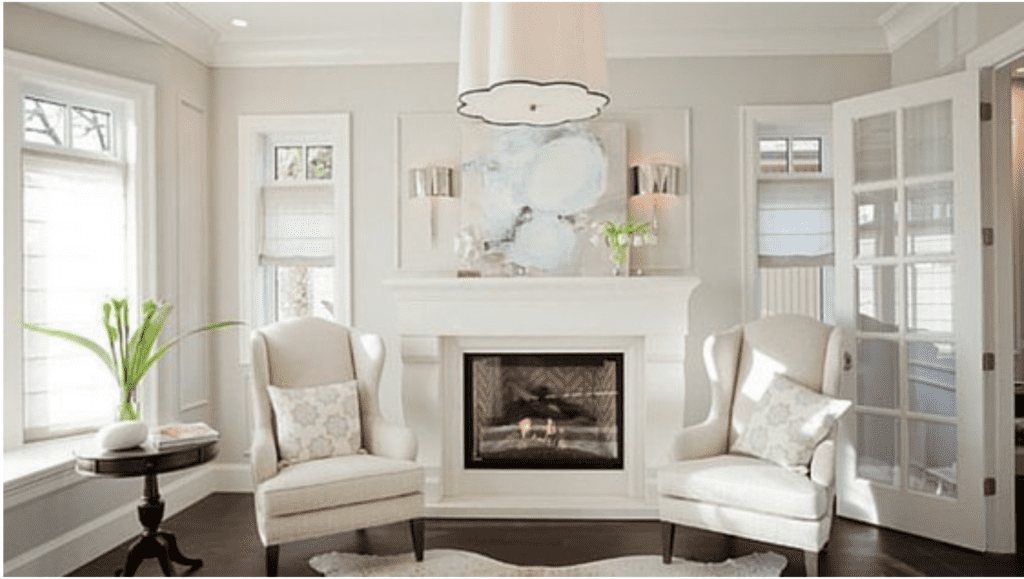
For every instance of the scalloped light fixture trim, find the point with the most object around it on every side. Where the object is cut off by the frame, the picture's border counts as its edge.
(532, 63)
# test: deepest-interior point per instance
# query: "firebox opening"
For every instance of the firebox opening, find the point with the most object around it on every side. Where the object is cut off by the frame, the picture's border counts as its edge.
(543, 410)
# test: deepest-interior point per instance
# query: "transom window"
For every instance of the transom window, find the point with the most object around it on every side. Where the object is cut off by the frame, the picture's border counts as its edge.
(60, 124)
(293, 163)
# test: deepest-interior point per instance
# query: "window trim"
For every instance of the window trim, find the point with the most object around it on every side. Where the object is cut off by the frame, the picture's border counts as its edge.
(254, 131)
(22, 71)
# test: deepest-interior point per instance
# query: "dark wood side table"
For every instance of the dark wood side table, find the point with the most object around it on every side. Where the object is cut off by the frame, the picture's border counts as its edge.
(147, 461)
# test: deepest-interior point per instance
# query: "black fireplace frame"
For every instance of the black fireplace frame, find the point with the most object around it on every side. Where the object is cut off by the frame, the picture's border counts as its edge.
(470, 462)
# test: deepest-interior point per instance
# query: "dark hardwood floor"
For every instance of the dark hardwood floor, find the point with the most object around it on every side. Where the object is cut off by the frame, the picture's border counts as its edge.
(221, 530)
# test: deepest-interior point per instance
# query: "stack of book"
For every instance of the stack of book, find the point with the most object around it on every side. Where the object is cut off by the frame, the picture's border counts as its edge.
(182, 434)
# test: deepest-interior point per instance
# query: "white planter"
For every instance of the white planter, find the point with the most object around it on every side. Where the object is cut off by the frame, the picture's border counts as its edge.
(122, 435)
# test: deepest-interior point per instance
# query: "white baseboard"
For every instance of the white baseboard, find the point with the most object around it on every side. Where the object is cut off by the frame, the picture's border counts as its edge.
(69, 551)
(233, 478)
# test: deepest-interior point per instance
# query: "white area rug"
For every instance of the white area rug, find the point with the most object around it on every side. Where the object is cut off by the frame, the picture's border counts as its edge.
(452, 563)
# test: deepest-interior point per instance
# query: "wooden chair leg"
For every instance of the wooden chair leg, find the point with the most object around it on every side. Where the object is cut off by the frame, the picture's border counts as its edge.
(416, 525)
(811, 563)
(668, 537)
(272, 553)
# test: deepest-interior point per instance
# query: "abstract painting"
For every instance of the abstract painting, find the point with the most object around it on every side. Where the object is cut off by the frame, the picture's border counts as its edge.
(533, 196)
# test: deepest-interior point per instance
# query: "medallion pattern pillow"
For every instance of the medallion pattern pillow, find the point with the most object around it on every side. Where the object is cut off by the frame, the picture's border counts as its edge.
(789, 423)
(316, 422)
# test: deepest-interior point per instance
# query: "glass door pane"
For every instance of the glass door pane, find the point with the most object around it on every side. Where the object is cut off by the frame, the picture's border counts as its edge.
(874, 148)
(928, 139)
(930, 218)
(877, 215)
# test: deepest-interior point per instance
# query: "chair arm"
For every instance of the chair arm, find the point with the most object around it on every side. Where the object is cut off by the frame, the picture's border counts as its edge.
(391, 440)
(699, 441)
(823, 463)
(263, 456)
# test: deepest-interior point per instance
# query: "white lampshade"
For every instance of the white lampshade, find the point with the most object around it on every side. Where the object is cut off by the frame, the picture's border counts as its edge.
(529, 63)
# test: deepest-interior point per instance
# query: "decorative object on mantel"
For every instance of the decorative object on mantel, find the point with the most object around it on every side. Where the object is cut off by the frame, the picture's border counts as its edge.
(621, 238)
(469, 248)
(432, 185)
(455, 563)
(538, 64)
(130, 356)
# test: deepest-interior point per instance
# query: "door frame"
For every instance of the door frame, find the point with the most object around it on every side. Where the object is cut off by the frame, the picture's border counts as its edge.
(1000, 463)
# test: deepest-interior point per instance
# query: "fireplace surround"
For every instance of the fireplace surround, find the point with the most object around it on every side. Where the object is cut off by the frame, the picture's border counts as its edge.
(440, 320)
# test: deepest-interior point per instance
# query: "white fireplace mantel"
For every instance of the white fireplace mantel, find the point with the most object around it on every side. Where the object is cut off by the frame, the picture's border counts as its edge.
(542, 306)
(439, 319)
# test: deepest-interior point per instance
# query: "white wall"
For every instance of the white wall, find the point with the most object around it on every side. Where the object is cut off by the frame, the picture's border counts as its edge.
(941, 48)
(713, 88)
(176, 77)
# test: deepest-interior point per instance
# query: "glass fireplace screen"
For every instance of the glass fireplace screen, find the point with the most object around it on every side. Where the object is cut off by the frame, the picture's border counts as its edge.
(543, 411)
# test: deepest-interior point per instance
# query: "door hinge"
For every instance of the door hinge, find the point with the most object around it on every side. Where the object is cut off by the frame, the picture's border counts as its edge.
(986, 111)
(988, 236)
(990, 486)
(988, 361)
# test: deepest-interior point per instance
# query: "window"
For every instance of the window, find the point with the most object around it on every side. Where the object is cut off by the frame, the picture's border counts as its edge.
(298, 241)
(294, 199)
(788, 211)
(74, 193)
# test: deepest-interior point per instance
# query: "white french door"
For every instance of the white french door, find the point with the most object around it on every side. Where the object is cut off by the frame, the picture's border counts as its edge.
(909, 287)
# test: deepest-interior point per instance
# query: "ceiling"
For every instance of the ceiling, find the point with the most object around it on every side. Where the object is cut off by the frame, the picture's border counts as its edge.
(312, 33)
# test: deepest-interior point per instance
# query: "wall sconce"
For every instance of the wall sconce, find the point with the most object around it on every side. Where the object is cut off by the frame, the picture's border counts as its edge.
(653, 187)
(661, 179)
(431, 184)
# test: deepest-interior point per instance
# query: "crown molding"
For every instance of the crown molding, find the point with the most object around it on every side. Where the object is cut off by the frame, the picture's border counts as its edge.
(737, 43)
(906, 20)
(337, 51)
(332, 51)
(172, 24)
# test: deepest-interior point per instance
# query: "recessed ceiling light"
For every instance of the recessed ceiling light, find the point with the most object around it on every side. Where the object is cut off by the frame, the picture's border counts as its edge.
(239, 23)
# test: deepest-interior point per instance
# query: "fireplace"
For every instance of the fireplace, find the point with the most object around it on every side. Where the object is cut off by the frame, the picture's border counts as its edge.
(543, 410)
(442, 320)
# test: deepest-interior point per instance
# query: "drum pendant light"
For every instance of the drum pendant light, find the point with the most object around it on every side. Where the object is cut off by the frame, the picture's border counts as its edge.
(532, 63)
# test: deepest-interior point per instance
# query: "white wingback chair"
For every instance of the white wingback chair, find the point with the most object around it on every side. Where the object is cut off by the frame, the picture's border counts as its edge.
(708, 488)
(329, 495)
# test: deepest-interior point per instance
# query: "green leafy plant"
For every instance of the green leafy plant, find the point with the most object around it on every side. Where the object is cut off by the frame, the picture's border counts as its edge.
(131, 353)
(619, 237)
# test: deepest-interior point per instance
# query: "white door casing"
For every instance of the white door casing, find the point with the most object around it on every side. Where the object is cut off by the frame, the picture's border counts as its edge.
(910, 286)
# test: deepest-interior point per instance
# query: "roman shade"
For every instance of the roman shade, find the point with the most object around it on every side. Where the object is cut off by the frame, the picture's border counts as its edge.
(76, 255)
(795, 225)
(298, 225)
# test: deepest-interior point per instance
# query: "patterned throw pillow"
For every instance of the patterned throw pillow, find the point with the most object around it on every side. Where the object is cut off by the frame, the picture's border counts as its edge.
(316, 422)
(789, 423)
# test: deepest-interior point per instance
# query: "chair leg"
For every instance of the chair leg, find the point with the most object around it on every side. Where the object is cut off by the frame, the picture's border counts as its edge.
(811, 563)
(416, 525)
(272, 552)
(668, 537)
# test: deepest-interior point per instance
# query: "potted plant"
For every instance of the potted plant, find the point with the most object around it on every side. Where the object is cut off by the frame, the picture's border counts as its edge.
(620, 237)
(130, 355)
